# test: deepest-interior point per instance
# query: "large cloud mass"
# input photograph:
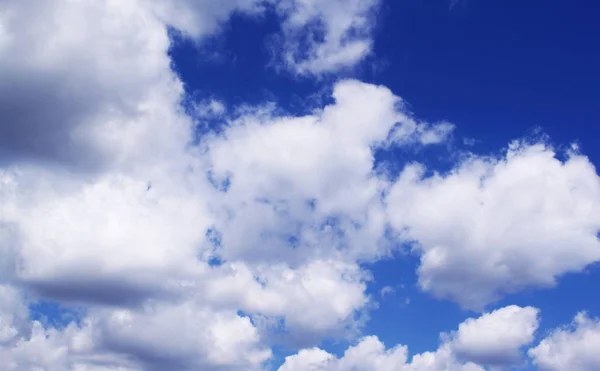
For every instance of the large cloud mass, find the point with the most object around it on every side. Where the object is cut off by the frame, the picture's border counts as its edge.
(186, 253)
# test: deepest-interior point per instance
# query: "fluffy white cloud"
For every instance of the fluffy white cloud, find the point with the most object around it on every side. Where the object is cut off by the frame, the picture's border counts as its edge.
(84, 78)
(317, 36)
(13, 316)
(325, 36)
(157, 337)
(494, 339)
(123, 237)
(183, 336)
(127, 237)
(87, 83)
(315, 300)
(494, 225)
(368, 355)
(309, 178)
(102, 202)
(570, 348)
(115, 234)
(199, 256)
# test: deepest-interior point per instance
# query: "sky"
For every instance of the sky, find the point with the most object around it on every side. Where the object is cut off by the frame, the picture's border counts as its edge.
(291, 185)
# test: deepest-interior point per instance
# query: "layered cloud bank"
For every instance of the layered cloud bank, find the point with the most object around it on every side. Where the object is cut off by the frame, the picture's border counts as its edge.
(181, 253)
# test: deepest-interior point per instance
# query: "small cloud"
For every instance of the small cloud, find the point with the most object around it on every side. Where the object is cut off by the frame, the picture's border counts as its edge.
(470, 141)
(436, 133)
(386, 290)
(211, 108)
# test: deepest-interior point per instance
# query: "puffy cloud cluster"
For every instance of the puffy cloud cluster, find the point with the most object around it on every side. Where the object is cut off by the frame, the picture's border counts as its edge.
(307, 178)
(104, 204)
(494, 339)
(85, 78)
(571, 348)
(84, 83)
(325, 36)
(203, 254)
(496, 225)
(169, 337)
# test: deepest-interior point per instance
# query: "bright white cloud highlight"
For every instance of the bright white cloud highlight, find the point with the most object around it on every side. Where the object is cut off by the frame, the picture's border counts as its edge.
(495, 338)
(319, 188)
(497, 225)
(325, 36)
(574, 347)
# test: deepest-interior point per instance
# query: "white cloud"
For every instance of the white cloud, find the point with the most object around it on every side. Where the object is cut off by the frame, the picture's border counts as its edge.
(314, 299)
(436, 133)
(159, 337)
(386, 290)
(317, 36)
(368, 355)
(494, 339)
(571, 348)
(497, 225)
(128, 237)
(183, 336)
(13, 316)
(83, 80)
(422, 133)
(325, 36)
(113, 234)
(308, 177)
(200, 18)
(104, 202)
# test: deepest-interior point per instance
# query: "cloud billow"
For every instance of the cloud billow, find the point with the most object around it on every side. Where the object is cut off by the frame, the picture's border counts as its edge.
(105, 204)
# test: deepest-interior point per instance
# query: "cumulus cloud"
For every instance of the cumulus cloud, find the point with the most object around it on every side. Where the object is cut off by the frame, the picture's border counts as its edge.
(330, 208)
(159, 337)
(494, 339)
(496, 225)
(83, 79)
(574, 347)
(369, 354)
(202, 253)
(103, 203)
(124, 237)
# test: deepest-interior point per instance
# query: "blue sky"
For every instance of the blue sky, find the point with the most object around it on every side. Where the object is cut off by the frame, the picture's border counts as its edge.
(497, 70)
(395, 185)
